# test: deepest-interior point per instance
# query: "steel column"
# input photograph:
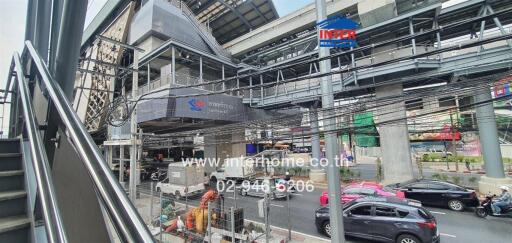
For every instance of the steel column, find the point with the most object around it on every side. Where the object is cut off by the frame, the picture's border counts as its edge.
(354, 73)
(68, 46)
(250, 91)
(261, 90)
(54, 32)
(173, 64)
(30, 21)
(42, 31)
(121, 165)
(331, 143)
(223, 77)
(201, 69)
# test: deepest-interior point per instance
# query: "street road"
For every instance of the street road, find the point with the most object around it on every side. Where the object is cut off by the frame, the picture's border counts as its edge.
(454, 227)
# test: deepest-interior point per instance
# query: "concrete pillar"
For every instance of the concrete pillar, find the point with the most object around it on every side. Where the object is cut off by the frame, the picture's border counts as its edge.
(488, 133)
(210, 151)
(394, 136)
(317, 173)
(315, 137)
(222, 147)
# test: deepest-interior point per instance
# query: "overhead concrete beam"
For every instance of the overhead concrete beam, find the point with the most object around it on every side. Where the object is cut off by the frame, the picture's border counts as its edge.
(282, 27)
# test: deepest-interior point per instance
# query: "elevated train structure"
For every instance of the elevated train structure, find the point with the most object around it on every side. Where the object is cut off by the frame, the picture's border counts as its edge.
(275, 67)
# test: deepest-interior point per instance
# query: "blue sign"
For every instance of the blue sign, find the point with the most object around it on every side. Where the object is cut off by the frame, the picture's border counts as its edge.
(196, 104)
(337, 32)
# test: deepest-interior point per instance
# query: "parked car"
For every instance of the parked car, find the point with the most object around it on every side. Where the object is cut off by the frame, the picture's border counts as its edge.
(359, 190)
(383, 219)
(442, 153)
(260, 186)
(438, 193)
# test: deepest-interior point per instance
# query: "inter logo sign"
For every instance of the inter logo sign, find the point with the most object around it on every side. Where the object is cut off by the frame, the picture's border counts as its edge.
(337, 32)
(196, 104)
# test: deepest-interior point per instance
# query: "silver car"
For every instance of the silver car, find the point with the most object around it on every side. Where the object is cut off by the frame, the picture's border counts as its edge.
(261, 186)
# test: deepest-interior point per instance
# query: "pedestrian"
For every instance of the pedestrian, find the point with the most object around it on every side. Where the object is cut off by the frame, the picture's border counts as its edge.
(467, 166)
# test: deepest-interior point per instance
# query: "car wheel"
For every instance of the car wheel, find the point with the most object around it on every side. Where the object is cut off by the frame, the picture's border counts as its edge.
(455, 205)
(407, 239)
(327, 228)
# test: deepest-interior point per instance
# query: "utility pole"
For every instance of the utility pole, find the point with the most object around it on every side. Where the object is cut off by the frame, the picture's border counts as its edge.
(132, 189)
(331, 146)
(454, 148)
(267, 222)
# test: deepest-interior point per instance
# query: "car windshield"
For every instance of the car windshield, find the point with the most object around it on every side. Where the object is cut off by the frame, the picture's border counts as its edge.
(349, 204)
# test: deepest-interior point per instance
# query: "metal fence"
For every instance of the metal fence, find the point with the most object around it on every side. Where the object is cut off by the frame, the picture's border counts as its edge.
(196, 219)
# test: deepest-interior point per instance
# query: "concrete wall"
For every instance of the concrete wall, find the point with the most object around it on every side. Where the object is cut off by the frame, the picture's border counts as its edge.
(375, 11)
(506, 150)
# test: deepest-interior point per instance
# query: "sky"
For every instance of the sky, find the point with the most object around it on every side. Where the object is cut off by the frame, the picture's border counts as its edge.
(12, 25)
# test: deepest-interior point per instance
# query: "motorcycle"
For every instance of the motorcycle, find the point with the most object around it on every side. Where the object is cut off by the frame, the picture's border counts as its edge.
(158, 176)
(485, 208)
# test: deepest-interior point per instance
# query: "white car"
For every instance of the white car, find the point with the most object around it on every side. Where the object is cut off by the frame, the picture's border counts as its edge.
(179, 191)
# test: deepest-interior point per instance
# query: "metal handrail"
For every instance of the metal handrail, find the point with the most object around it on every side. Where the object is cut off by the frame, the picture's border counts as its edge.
(53, 221)
(124, 216)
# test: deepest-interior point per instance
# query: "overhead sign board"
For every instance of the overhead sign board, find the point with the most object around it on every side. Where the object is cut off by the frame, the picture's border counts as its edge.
(338, 32)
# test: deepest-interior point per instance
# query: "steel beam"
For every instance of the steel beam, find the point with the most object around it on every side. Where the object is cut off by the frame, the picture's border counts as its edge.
(498, 23)
(238, 14)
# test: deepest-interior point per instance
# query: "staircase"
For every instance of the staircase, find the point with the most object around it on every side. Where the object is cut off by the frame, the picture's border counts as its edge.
(14, 222)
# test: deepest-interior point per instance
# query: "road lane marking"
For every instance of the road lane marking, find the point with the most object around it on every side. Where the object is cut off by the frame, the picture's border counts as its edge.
(448, 235)
(294, 232)
(297, 194)
(277, 205)
(438, 212)
(230, 197)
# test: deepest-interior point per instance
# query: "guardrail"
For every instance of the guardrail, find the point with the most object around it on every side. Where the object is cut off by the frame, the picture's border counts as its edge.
(124, 216)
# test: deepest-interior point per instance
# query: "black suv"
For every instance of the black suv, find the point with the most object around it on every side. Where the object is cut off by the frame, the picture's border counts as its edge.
(384, 219)
(438, 193)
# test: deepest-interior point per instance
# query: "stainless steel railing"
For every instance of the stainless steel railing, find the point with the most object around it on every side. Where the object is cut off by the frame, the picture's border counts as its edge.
(54, 226)
(126, 220)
